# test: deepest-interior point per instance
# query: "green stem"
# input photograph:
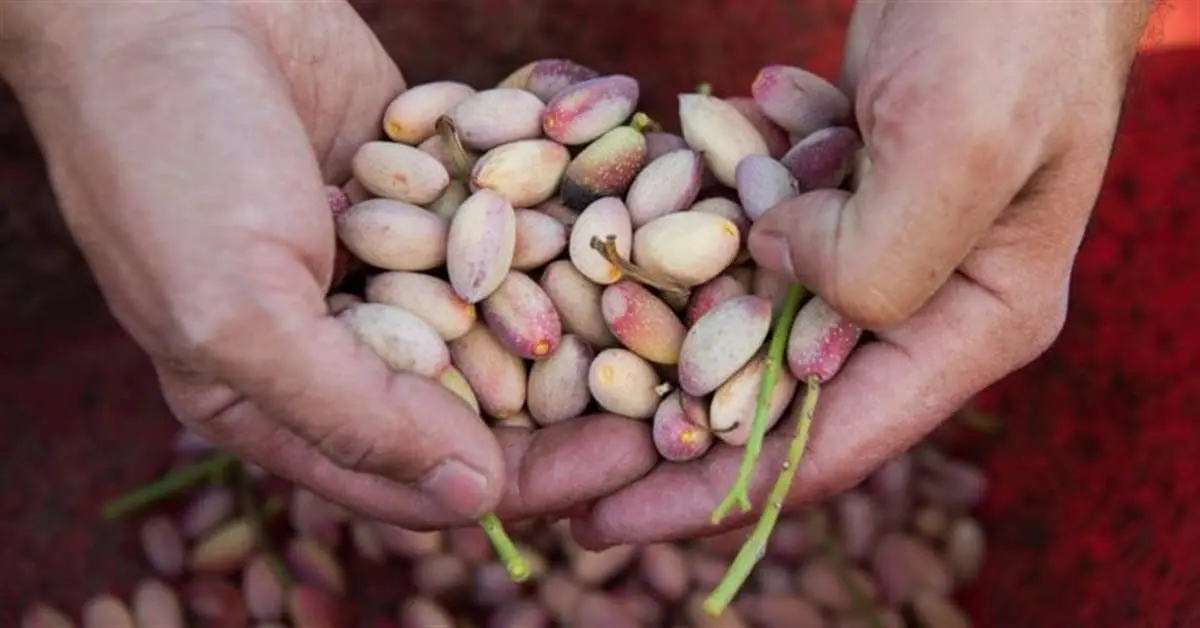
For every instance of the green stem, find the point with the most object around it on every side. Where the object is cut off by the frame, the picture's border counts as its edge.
(755, 546)
(461, 163)
(510, 556)
(257, 516)
(168, 485)
(740, 492)
(861, 601)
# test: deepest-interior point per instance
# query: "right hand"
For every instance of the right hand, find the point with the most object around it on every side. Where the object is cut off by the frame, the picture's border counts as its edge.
(187, 144)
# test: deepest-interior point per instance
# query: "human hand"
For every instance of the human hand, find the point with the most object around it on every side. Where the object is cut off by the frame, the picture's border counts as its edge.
(188, 144)
(989, 127)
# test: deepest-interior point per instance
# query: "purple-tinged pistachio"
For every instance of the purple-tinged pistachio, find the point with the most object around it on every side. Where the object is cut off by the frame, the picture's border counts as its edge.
(313, 607)
(717, 130)
(558, 388)
(823, 159)
(526, 172)
(711, 294)
(540, 239)
(642, 322)
(549, 77)
(410, 117)
(497, 116)
(424, 612)
(312, 562)
(799, 101)
(605, 168)
(162, 544)
(480, 245)
(762, 183)
(262, 590)
(157, 605)
(676, 437)
(820, 341)
(207, 510)
(107, 611)
(659, 143)
(409, 544)
(577, 300)
(314, 516)
(337, 198)
(555, 209)
(522, 317)
(399, 172)
(668, 184)
(722, 342)
(42, 615)
(215, 602)
(586, 110)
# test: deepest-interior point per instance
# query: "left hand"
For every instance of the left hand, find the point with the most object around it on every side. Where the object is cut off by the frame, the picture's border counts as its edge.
(989, 127)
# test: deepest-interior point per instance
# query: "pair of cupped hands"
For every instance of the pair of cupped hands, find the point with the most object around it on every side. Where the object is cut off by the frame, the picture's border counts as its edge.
(188, 144)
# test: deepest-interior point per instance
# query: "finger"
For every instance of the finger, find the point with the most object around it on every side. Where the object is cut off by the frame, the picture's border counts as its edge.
(947, 158)
(890, 393)
(551, 466)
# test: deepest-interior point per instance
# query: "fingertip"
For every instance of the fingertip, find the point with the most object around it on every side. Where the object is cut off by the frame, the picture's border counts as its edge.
(798, 237)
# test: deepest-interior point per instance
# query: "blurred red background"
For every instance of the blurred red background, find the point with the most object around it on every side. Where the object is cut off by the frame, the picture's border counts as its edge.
(1093, 480)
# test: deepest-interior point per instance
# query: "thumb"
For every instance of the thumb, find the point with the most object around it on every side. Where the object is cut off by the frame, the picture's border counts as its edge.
(311, 375)
(938, 179)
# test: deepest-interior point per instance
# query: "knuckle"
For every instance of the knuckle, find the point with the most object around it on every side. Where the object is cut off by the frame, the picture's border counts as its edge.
(1037, 324)
(347, 448)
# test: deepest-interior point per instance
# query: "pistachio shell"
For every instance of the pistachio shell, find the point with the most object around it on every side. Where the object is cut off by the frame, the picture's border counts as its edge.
(823, 159)
(526, 172)
(689, 247)
(430, 298)
(549, 77)
(215, 602)
(775, 137)
(720, 132)
(797, 100)
(338, 302)
(157, 605)
(454, 381)
(337, 198)
(262, 590)
(623, 383)
(314, 516)
(224, 550)
(555, 209)
(676, 437)
(820, 341)
(659, 143)
(540, 239)
(668, 184)
(519, 77)
(558, 388)
(729, 210)
(588, 109)
(731, 412)
(399, 172)
(605, 168)
(497, 116)
(603, 218)
(162, 544)
(522, 317)
(312, 607)
(107, 611)
(42, 615)
(577, 300)
(404, 341)
(642, 322)
(315, 564)
(722, 342)
(763, 183)
(424, 612)
(480, 245)
(206, 510)
(710, 294)
(410, 117)
(393, 235)
(496, 375)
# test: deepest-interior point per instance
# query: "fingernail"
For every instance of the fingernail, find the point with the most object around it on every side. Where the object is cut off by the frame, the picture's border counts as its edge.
(771, 249)
(456, 487)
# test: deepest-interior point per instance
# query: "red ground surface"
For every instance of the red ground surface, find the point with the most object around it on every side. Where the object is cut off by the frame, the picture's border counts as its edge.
(1094, 490)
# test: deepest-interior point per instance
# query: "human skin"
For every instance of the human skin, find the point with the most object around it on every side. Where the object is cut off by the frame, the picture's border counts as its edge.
(990, 126)
(188, 145)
